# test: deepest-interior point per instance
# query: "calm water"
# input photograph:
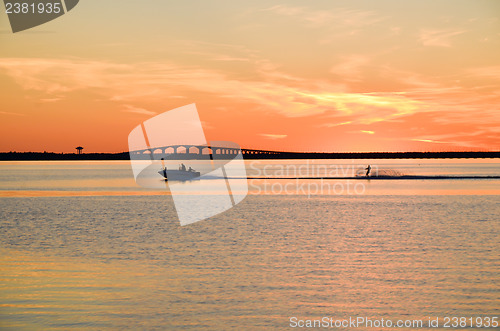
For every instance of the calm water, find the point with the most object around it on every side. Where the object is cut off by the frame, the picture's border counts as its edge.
(82, 247)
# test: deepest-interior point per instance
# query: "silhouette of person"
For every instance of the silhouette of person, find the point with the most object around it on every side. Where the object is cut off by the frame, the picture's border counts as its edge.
(164, 168)
(368, 170)
(183, 167)
(191, 169)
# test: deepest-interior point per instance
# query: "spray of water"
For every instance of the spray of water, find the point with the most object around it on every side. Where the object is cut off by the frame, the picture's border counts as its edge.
(376, 172)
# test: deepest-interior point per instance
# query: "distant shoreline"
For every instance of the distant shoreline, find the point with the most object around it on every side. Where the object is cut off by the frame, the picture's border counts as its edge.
(35, 156)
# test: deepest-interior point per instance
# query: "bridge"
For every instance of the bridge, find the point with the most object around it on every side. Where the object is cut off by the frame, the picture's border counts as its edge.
(198, 151)
(193, 152)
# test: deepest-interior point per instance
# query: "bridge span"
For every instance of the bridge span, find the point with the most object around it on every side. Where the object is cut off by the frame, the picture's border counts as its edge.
(194, 152)
(198, 151)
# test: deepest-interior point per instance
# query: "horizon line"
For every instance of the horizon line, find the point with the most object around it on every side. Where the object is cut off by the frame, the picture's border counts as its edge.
(265, 150)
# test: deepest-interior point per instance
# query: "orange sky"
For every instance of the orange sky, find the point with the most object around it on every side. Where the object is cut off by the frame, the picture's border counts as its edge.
(301, 76)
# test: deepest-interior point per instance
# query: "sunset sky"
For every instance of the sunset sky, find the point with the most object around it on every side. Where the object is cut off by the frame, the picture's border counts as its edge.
(291, 75)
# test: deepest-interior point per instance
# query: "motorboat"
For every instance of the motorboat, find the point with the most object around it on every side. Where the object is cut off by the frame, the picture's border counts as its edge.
(182, 174)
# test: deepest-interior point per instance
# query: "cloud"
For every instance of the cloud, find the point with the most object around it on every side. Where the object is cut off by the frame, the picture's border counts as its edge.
(50, 99)
(351, 67)
(492, 72)
(273, 136)
(226, 58)
(286, 10)
(332, 17)
(440, 38)
(59, 76)
(331, 125)
(430, 141)
(217, 51)
(137, 110)
(367, 132)
(466, 136)
(367, 108)
(10, 113)
(268, 90)
(272, 91)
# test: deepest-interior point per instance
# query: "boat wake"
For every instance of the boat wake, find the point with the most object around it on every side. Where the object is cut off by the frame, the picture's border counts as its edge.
(375, 173)
(384, 177)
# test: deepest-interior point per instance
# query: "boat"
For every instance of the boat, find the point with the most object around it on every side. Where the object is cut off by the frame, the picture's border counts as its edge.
(180, 175)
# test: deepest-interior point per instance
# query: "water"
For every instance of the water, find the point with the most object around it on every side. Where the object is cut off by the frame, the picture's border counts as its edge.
(82, 247)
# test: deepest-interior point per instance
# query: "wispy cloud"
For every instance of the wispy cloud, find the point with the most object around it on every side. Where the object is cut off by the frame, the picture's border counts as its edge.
(492, 72)
(271, 90)
(48, 100)
(10, 113)
(157, 81)
(368, 132)
(367, 108)
(351, 67)
(59, 76)
(273, 136)
(137, 110)
(286, 10)
(465, 139)
(220, 52)
(338, 16)
(430, 141)
(435, 37)
(226, 58)
(331, 125)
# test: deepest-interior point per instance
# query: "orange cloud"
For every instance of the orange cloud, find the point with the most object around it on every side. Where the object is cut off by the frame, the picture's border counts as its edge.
(273, 136)
(438, 37)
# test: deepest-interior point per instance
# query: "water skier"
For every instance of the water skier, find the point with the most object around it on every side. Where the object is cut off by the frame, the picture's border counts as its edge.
(164, 167)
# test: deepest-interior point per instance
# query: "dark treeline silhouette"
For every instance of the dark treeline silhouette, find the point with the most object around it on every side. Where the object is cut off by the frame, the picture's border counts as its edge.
(45, 156)
(36, 156)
